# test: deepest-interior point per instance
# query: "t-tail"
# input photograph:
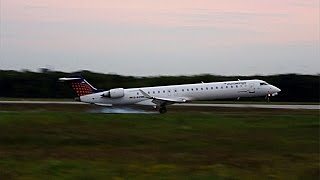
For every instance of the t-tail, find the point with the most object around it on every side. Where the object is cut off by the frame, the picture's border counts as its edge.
(80, 86)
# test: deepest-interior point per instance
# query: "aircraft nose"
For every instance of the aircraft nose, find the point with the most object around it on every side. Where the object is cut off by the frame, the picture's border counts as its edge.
(275, 89)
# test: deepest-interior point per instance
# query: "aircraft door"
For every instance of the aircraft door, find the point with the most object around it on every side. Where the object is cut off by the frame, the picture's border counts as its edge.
(252, 88)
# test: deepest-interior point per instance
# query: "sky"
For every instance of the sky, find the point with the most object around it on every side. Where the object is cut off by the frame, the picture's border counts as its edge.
(167, 37)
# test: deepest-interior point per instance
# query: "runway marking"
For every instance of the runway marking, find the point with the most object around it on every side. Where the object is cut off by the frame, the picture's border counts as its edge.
(42, 102)
(265, 106)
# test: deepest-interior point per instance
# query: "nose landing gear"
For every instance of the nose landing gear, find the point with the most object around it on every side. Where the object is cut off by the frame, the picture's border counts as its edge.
(267, 98)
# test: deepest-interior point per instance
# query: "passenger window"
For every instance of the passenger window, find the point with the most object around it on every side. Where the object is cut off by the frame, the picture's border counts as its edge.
(217, 87)
(164, 91)
(196, 89)
(158, 92)
(201, 88)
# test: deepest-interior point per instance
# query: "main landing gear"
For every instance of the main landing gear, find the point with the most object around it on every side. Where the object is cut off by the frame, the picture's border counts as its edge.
(162, 109)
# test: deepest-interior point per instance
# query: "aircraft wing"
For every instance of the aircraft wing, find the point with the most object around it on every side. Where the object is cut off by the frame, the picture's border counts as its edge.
(163, 101)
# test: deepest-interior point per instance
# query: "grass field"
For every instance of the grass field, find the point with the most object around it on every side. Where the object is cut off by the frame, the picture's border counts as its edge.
(214, 143)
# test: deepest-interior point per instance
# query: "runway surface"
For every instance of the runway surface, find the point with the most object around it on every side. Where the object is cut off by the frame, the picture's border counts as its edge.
(265, 106)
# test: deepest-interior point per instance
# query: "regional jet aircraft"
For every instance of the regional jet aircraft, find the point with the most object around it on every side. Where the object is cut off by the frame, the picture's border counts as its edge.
(161, 96)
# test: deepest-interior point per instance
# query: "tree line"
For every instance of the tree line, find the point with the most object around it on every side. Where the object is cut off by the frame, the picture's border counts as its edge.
(26, 84)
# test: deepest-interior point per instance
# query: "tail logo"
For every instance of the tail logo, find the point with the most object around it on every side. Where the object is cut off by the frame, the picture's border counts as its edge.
(81, 88)
(80, 85)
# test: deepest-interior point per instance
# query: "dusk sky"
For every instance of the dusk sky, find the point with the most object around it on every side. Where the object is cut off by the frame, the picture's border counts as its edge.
(147, 37)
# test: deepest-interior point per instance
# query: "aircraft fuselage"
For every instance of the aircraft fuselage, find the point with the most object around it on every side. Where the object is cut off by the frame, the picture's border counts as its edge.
(185, 93)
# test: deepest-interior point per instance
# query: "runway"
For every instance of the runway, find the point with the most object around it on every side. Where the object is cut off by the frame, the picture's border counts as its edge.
(262, 106)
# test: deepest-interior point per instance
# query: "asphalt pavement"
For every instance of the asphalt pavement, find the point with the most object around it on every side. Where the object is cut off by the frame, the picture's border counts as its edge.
(266, 106)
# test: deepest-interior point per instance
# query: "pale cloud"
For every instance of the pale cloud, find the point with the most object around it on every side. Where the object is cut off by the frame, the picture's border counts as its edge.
(281, 20)
(149, 31)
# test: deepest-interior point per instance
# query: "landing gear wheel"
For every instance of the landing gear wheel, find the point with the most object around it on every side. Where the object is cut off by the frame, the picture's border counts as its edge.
(268, 98)
(163, 110)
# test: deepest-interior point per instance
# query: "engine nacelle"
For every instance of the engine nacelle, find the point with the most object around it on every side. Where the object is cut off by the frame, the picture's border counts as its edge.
(114, 93)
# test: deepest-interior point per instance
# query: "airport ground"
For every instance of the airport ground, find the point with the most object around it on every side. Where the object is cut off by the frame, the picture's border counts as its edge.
(232, 101)
(57, 141)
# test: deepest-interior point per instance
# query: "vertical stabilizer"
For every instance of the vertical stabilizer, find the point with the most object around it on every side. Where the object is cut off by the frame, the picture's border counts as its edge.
(80, 86)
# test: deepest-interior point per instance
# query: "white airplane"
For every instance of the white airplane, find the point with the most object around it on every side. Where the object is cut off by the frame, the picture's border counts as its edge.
(161, 96)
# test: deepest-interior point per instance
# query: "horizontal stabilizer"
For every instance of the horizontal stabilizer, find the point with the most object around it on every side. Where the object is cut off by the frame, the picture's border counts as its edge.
(69, 79)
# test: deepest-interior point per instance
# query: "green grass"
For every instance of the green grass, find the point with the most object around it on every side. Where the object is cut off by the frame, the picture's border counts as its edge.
(188, 145)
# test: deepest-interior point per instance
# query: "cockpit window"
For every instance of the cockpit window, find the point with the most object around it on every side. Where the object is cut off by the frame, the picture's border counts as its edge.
(263, 84)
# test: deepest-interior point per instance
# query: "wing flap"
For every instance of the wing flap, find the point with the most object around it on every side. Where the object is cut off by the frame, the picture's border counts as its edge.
(163, 101)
